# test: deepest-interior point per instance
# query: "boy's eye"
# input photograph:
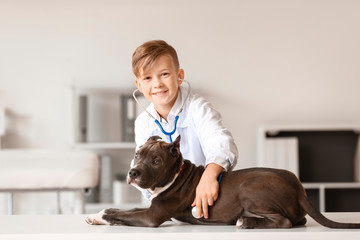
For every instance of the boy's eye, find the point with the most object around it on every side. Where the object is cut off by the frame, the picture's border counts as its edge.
(146, 78)
(165, 74)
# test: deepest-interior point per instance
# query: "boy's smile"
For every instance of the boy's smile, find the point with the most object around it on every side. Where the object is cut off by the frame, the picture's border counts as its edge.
(160, 93)
(160, 83)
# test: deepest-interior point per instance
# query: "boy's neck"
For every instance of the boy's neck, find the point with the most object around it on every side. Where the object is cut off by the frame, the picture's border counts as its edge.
(163, 112)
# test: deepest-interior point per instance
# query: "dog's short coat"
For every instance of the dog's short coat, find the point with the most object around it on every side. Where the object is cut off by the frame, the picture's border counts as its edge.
(249, 198)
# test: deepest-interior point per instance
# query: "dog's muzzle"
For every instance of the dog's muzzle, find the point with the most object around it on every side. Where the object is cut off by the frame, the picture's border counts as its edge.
(133, 177)
(134, 173)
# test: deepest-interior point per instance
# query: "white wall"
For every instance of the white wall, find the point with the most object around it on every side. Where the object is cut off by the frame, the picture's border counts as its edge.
(258, 62)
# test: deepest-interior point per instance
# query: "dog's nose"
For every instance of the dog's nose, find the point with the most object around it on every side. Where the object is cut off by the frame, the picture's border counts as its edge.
(133, 173)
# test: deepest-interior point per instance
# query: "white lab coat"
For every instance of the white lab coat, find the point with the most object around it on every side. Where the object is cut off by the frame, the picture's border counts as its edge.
(204, 139)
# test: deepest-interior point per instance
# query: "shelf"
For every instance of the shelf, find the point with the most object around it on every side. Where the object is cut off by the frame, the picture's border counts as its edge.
(331, 185)
(105, 145)
(102, 121)
(273, 129)
(322, 187)
(326, 158)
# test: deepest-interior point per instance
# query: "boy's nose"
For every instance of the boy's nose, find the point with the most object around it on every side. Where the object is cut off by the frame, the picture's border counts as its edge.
(157, 82)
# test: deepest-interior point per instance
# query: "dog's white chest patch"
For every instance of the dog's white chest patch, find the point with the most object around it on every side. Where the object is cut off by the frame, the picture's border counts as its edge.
(154, 193)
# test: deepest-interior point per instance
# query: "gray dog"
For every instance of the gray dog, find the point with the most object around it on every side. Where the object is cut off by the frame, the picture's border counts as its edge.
(249, 198)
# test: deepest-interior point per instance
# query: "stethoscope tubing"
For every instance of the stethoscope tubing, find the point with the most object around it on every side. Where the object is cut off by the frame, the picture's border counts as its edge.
(169, 134)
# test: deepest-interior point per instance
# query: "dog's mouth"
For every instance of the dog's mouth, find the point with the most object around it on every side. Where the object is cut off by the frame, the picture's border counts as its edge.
(136, 182)
(132, 181)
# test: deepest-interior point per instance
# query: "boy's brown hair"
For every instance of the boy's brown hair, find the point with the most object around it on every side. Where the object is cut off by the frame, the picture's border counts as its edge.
(146, 54)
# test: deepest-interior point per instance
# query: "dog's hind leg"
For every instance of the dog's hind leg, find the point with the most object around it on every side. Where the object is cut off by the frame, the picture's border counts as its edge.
(265, 221)
(301, 222)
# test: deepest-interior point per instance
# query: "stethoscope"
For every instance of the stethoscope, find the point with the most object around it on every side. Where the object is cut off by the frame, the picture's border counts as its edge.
(169, 134)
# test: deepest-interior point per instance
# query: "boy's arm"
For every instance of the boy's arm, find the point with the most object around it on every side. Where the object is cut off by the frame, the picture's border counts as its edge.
(219, 149)
(216, 141)
(207, 190)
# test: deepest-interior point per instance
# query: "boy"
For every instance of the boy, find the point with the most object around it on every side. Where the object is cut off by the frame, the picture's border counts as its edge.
(204, 140)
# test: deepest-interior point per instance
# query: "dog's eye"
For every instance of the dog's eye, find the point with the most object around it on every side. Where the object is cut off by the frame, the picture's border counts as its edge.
(136, 155)
(155, 161)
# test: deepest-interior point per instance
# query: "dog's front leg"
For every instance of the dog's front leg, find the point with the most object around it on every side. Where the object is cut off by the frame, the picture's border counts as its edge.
(97, 218)
(138, 217)
(134, 217)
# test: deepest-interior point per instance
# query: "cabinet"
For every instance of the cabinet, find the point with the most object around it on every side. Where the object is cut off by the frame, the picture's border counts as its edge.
(326, 160)
(102, 120)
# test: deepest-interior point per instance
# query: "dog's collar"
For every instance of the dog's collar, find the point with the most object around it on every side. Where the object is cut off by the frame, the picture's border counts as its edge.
(182, 169)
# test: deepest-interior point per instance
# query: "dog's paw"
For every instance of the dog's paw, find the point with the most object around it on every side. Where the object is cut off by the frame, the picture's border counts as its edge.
(97, 219)
(239, 223)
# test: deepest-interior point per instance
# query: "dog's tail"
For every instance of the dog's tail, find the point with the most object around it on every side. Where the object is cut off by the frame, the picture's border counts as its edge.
(320, 218)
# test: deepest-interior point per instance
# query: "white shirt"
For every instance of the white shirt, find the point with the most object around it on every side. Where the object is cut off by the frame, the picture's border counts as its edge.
(204, 140)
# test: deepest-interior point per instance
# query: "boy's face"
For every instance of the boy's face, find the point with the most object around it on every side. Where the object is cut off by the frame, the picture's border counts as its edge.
(160, 84)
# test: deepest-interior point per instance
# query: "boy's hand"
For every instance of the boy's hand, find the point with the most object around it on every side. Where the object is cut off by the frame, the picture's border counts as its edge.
(207, 190)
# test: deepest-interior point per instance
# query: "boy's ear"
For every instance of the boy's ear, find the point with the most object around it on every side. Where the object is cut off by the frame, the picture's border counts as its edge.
(174, 147)
(181, 75)
(138, 84)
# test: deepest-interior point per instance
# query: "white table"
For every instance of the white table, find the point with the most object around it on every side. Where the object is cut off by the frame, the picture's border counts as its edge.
(74, 227)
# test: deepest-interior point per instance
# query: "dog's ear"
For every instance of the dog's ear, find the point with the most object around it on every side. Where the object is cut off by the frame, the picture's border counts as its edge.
(154, 138)
(174, 147)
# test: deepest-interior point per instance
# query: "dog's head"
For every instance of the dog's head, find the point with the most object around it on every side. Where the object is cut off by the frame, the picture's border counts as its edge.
(155, 164)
